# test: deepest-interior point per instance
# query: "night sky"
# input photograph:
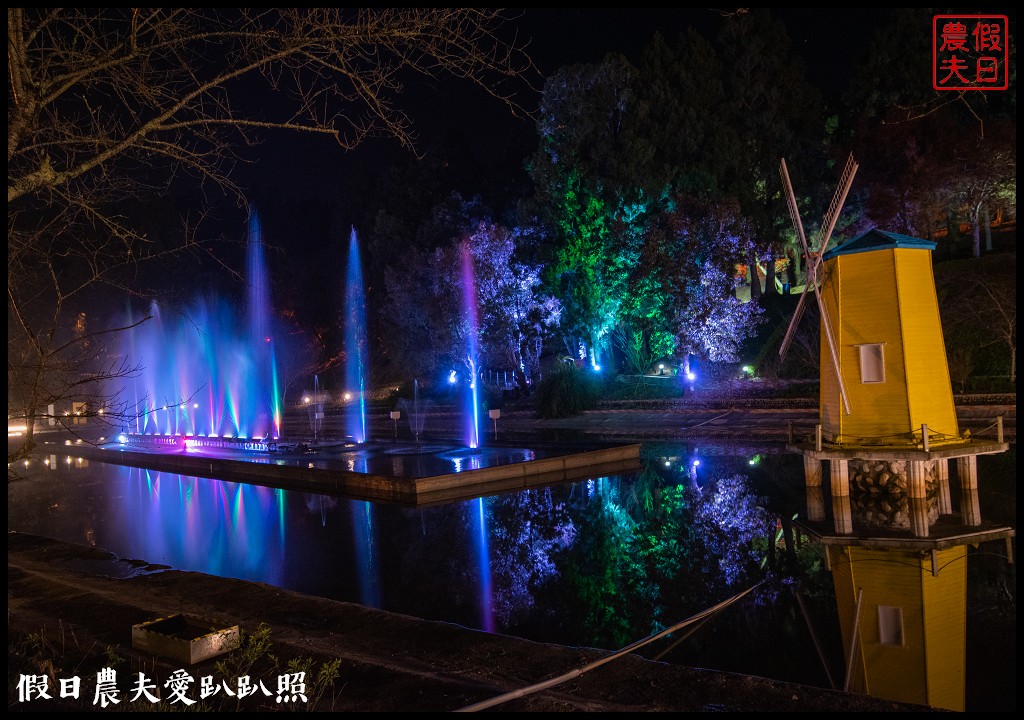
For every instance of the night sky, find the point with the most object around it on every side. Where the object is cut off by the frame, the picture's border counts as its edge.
(451, 114)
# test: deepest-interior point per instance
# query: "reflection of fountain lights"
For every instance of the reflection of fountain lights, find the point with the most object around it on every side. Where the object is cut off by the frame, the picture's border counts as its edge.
(484, 560)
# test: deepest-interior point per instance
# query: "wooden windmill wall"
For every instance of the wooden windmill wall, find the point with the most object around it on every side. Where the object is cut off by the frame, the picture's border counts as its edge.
(880, 293)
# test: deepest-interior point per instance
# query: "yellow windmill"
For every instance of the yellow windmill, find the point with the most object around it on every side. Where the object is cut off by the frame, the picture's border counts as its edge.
(888, 431)
(881, 335)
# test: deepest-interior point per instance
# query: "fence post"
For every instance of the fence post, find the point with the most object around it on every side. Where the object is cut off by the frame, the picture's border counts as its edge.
(924, 436)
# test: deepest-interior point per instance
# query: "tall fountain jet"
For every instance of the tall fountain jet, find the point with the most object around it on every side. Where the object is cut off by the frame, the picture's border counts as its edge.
(205, 372)
(267, 405)
(356, 363)
(472, 325)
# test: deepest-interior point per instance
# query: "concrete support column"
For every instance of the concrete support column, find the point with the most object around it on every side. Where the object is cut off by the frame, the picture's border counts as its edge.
(815, 493)
(970, 507)
(942, 480)
(917, 495)
(839, 480)
(967, 469)
(815, 503)
(812, 471)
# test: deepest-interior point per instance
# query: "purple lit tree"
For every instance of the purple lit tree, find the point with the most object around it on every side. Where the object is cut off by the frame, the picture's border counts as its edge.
(709, 321)
(515, 318)
(425, 302)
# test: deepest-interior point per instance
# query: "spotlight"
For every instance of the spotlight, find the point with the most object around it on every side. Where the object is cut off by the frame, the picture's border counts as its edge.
(452, 377)
(690, 376)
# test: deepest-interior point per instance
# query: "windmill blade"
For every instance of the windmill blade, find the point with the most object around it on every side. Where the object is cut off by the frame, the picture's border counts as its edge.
(798, 226)
(794, 213)
(828, 224)
(826, 324)
(793, 323)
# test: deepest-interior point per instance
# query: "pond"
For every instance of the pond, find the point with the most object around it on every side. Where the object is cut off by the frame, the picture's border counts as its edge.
(599, 562)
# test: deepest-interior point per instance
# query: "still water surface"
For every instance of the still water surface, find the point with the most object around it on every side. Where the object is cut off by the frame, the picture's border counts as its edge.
(601, 562)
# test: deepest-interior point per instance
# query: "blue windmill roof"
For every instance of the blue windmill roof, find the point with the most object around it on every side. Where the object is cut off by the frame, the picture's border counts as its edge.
(875, 239)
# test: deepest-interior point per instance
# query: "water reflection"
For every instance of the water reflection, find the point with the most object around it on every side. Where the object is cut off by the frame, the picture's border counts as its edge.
(216, 527)
(601, 562)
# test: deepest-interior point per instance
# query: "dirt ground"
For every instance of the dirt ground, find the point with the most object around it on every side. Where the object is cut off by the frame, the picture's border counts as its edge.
(71, 610)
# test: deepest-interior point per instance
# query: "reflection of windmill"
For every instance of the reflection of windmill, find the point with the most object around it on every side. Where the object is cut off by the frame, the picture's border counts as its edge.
(814, 260)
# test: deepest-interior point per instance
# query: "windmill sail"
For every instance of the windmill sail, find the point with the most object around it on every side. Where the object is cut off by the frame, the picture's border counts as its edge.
(794, 215)
(814, 260)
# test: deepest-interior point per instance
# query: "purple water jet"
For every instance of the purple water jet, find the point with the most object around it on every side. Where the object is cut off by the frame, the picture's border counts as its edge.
(205, 372)
(472, 328)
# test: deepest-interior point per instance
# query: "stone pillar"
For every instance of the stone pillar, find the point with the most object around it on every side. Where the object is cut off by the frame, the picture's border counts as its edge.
(839, 480)
(942, 480)
(917, 496)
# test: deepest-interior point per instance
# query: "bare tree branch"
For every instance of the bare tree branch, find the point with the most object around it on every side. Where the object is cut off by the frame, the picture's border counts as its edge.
(111, 106)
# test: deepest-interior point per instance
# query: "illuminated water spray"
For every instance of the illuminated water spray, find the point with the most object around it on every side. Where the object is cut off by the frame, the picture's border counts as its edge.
(472, 322)
(355, 344)
(206, 371)
(265, 395)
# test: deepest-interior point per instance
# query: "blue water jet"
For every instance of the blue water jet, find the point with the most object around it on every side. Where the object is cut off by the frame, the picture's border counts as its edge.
(355, 345)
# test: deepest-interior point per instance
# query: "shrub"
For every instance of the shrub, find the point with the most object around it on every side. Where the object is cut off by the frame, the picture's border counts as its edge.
(567, 391)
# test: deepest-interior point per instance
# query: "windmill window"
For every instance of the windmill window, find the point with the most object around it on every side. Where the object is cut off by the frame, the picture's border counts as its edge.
(872, 363)
(890, 625)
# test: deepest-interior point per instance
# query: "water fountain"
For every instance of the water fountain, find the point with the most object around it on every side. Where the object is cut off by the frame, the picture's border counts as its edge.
(472, 328)
(415, 412)
(213, 409)
(203, 377)
(356, 364)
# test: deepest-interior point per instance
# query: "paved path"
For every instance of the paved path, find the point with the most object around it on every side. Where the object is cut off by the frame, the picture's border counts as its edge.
(760, 420)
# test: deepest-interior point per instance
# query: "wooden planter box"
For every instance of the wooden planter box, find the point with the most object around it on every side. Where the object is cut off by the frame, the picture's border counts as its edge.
(187, 640)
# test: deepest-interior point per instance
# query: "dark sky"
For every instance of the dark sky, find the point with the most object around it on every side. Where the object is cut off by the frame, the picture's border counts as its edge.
(830, 41)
